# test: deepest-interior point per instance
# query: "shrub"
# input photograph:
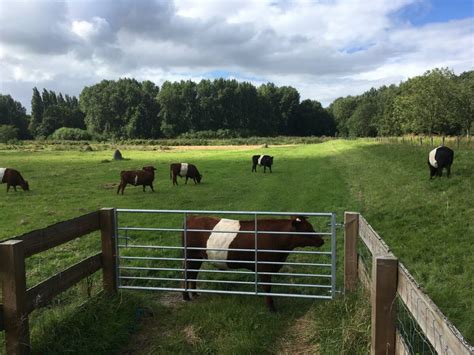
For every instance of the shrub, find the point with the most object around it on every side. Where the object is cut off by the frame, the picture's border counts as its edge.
(72, 134)
(8, 133)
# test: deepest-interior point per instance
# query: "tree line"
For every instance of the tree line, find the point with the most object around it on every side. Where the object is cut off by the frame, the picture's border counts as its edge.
(438, 102)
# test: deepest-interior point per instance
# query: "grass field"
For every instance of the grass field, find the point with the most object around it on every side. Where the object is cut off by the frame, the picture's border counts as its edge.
(428, 225)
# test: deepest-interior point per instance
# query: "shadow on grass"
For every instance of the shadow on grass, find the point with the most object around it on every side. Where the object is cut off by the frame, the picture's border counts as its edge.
(101, 325)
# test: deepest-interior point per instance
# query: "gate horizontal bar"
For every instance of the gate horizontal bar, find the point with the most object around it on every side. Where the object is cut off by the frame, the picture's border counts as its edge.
(229, 249)
(150, 229)
(224, 281)
(320, 214)
(224, 292)
(225, 261)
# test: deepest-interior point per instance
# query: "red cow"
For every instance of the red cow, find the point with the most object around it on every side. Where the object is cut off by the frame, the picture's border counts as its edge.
(13, 178)
(143, 177)
(235, 240)
(184, 170)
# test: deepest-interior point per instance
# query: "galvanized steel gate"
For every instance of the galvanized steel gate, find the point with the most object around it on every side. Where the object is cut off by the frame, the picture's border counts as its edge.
(150, 256)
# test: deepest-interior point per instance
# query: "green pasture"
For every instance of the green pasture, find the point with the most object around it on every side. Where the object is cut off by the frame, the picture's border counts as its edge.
(428, 225)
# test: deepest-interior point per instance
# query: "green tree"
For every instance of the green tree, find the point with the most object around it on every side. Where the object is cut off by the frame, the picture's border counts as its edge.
(342, 109)
(313, 120)
(121, 109)
(37, 109)
(428, 103)
(8, 133)
(12, 113)
(465, 84)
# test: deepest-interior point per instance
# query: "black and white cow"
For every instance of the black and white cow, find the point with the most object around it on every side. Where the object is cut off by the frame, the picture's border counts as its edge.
(189, 171)
(263, 160)
(438, 159)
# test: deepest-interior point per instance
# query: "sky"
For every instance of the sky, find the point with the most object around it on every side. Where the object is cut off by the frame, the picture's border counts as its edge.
(324, 48)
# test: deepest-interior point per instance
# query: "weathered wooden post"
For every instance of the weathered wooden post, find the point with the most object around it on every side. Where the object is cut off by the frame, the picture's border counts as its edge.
(109, 265)
(12, 266)
(384, 291)
(351, 232)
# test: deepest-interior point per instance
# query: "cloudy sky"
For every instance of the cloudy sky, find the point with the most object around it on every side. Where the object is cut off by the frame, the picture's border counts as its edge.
(323, 48)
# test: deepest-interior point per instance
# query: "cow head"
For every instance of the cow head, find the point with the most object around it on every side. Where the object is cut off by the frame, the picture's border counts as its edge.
(25, 186)
(198, 178)
(301, 224)
(271, 161)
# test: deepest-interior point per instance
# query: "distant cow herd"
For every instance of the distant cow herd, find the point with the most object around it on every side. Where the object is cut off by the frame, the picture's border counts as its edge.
(439, 159)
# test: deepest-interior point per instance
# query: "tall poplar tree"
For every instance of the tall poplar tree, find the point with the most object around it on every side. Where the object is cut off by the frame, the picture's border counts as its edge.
(37, 109)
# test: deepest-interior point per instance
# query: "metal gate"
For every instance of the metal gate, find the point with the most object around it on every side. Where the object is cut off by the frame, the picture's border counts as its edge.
(150, 256)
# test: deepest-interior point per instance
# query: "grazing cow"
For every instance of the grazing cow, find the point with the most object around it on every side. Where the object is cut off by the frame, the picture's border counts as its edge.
(13, 178)
(262, 160)
(235, 240)
(438, 159)
(143, 177)
(184, 170)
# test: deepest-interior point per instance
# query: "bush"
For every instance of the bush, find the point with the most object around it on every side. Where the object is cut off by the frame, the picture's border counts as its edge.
(8, 133)
(72, 134)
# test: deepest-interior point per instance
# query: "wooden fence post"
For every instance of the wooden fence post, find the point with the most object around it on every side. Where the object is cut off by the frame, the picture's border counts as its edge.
(384, 291)
(109, 265)
(17, 333)
(351, 233)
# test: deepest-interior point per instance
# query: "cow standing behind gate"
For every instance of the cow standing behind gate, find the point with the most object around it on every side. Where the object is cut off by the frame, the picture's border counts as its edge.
(262, 160)
(184, 170)
(235, 240)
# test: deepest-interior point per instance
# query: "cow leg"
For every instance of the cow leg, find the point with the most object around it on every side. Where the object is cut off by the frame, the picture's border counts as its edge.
(264, 169)
(190, 283)
(14, 187)
(254, 168)
(144, 187)
(186, 181)
(270, 168)
(151, 186)
(8, 186)
(123, 186)
(268, 289)
(175, 181)
(449, 170)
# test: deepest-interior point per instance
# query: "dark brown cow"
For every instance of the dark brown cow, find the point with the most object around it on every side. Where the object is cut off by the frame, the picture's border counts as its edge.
(184, 170)
(143, 177)
(236, 240)
(13, 178)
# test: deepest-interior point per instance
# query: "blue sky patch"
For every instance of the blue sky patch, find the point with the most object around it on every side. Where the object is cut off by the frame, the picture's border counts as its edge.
(424, 12)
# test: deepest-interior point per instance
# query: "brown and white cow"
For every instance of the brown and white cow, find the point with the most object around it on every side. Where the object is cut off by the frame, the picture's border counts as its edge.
(13, 178)
(235, 240)
(143, 177)
(184, 170)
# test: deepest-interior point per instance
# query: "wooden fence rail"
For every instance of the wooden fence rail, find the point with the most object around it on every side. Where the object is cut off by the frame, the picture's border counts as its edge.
(396, 282)
(18, 301)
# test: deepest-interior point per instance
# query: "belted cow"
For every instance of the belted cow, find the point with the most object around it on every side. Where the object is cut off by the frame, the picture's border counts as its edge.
(263, 160)
(143, 177)
(438, 159)
(13, 178)
(214, 238)
(189, 171)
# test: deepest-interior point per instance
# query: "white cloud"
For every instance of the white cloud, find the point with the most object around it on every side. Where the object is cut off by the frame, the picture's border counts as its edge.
(325, 49)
